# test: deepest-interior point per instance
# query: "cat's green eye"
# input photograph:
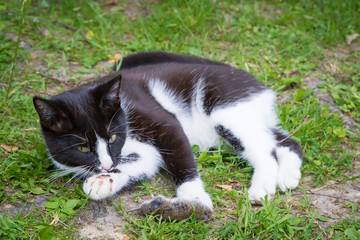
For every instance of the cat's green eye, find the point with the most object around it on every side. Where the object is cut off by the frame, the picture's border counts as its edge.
(83, 149)
(112, 138)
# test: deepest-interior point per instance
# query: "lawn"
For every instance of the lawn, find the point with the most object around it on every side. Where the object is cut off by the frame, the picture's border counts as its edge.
(307, 51)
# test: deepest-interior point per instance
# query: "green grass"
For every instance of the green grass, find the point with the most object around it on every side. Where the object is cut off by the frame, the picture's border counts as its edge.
(266, 38)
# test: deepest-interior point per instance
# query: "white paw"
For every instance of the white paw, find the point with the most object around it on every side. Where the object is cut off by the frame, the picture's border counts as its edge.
(288, 178)
(289, 174)
(263, 183)
(193, 191)
(99, 186)
(258, 192)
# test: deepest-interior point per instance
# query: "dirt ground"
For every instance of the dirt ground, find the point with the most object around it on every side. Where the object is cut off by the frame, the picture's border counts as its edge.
(110, 223)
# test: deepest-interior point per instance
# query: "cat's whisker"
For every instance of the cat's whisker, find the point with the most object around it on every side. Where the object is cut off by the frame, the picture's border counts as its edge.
(120, 126)
(87, 139)
(81, 170)
(119, 132)
(112, 118)
(54, 177)
(63, 173)
(88, 173)
(73, 135)
(64, 149)
(166, 170)
(163, 151)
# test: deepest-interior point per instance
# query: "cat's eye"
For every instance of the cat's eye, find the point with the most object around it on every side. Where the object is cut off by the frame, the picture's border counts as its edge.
(112, 138)
(83, 149)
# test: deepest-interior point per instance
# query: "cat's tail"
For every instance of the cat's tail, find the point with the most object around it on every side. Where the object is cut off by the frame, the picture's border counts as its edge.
(146, 58)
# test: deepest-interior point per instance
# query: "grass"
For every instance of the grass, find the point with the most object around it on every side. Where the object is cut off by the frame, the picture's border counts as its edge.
(267, 38)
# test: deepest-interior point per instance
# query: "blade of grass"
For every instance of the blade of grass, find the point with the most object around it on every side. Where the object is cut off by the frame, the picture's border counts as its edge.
(15, 55)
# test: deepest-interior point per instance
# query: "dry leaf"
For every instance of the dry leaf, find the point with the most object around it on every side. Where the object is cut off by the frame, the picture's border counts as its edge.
(89, 35)
(115, 58)
(9, 148)
(226, 187)
(55, 221)
(45, 32)
(351, 38)
(126, 238)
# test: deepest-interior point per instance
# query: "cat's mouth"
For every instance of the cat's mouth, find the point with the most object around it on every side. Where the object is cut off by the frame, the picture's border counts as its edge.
(112, 170)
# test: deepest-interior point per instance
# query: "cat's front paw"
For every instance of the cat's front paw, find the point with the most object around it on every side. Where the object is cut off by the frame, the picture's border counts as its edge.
(175, 209)
(99, 186)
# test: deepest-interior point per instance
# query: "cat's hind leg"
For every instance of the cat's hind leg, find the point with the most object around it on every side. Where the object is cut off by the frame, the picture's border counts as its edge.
(289, 156)
(245, 127)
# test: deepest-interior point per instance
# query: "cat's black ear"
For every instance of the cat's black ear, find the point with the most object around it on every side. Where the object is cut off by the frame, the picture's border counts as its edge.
(108, 95)
(51, 117)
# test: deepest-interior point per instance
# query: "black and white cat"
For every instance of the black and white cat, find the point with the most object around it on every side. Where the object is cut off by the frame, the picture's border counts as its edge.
(124, 127)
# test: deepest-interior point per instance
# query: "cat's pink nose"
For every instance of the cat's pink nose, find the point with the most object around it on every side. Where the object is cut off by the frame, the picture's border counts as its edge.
(106, 167)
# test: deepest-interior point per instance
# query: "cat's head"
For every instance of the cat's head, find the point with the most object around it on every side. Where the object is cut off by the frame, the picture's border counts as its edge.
(84, 128)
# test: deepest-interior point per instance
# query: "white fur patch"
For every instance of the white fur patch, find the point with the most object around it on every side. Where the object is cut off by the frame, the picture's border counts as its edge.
(195, 123)
(149, 160)
(289, 168)
(193, 191)
(166, 98)
(103, 154)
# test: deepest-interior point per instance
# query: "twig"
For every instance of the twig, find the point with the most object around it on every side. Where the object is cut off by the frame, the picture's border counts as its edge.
(308, 191)
(85, 80)
(133, 210)
(58, 23)
(69, 83)
(53, 78)
(9, 12)
(287, 74)
(42, 20)
(330, 196)
(306, 118)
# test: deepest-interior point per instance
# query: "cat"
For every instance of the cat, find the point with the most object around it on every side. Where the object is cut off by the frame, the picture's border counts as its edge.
(122, 128)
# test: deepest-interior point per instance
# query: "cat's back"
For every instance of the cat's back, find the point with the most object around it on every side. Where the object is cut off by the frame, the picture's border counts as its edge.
(185, 80)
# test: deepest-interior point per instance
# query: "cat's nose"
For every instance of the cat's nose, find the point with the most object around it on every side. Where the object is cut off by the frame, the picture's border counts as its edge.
(106, 167)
